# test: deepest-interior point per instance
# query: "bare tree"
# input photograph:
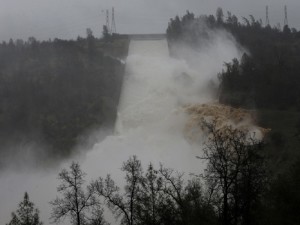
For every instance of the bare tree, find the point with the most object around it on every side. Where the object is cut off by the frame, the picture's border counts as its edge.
(185, 200)
(151, 198)
(122, 204)
(235, 171)
(174, 189)
(81, 206)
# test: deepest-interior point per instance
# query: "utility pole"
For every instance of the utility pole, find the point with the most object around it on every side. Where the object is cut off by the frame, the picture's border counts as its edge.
(286, 22)
(113, 22)
(267, 16)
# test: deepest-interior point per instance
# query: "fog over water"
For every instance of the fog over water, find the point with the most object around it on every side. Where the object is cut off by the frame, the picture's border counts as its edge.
(150, 120)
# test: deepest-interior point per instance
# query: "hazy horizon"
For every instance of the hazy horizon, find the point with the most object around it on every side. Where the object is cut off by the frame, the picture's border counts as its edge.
(68, 19)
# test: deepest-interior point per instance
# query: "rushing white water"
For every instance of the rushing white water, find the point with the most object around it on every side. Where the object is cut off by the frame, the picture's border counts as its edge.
(150, 123)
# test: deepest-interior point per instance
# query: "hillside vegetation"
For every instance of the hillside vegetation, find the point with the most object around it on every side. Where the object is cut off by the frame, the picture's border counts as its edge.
(266, 79)
(52, 92)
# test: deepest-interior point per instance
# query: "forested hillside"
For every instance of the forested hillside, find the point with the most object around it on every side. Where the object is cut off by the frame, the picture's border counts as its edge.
(51, 92)
(266, 76)
(266, 79)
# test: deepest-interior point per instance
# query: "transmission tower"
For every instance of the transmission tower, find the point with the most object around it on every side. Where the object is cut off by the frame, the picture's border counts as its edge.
(113, 22)
(286, 22)
(267, 16)
(107, 19)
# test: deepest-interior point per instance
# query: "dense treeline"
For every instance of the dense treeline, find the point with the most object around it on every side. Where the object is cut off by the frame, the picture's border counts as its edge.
(166, 197)
(229, 191)
(267, 76)
(236, 188)
(54, 91)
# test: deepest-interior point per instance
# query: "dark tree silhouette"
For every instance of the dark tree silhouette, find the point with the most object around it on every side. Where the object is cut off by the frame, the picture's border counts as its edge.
(282, 203)
(81, 206)
(26, 214)
(122, 205)
(220, 15)
(155, 197)
(150, 198)
(236, 172)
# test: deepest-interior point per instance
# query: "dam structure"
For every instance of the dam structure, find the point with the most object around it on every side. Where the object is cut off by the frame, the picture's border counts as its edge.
(144, 97)
(147, 37)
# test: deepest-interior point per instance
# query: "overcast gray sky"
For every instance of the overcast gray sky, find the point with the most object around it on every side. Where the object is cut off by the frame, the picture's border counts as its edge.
(67, 19)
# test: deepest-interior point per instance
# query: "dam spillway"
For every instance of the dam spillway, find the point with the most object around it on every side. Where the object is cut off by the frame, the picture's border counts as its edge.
(150, 123)
(144, 95)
